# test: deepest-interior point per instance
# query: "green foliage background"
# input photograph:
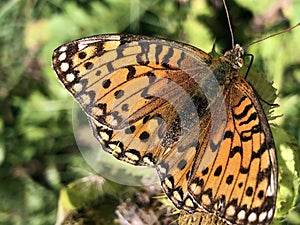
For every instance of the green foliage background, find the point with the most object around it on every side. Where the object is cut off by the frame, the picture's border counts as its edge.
(38, 152)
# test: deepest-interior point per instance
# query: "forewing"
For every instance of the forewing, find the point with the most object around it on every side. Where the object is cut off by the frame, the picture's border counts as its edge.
(135, 90)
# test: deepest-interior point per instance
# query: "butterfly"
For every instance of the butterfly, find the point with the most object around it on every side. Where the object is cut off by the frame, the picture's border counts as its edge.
(164, 104)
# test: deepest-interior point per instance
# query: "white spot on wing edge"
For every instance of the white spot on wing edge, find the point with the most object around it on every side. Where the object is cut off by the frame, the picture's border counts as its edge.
(230, 211)
(70, 77)
(270, 214)
(241, 215)
(64, 67)
(252, 217)
(262, 216)
(62, 49)
(62, 56)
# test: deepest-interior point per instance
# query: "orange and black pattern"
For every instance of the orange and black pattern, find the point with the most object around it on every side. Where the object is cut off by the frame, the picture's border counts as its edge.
(168, 105)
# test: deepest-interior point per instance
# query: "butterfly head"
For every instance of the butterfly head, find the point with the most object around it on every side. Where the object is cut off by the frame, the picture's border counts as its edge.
(236, 56)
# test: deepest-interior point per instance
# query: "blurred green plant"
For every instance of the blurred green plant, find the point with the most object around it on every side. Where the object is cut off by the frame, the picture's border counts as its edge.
(38, 152)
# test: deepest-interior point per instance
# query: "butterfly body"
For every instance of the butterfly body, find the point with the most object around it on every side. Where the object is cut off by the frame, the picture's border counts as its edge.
(172, 106)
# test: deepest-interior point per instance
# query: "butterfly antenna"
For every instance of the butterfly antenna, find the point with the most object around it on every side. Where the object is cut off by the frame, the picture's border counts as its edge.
(273, 35)
(229, 24)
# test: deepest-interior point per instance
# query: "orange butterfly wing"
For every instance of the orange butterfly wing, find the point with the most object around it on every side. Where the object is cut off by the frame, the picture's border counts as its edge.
(136, 91)
(165, 104)
(245, 167)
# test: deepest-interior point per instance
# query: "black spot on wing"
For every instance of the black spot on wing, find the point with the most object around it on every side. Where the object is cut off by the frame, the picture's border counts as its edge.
(181, 165)
(106, 83)
(260, 194)
(218, 171)
(88, 65)
(228, 134)
(144, 136)
(249, 191)
(244, 170)
(81, 55)
(131, 72)
(229, 179)
(205, 171)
